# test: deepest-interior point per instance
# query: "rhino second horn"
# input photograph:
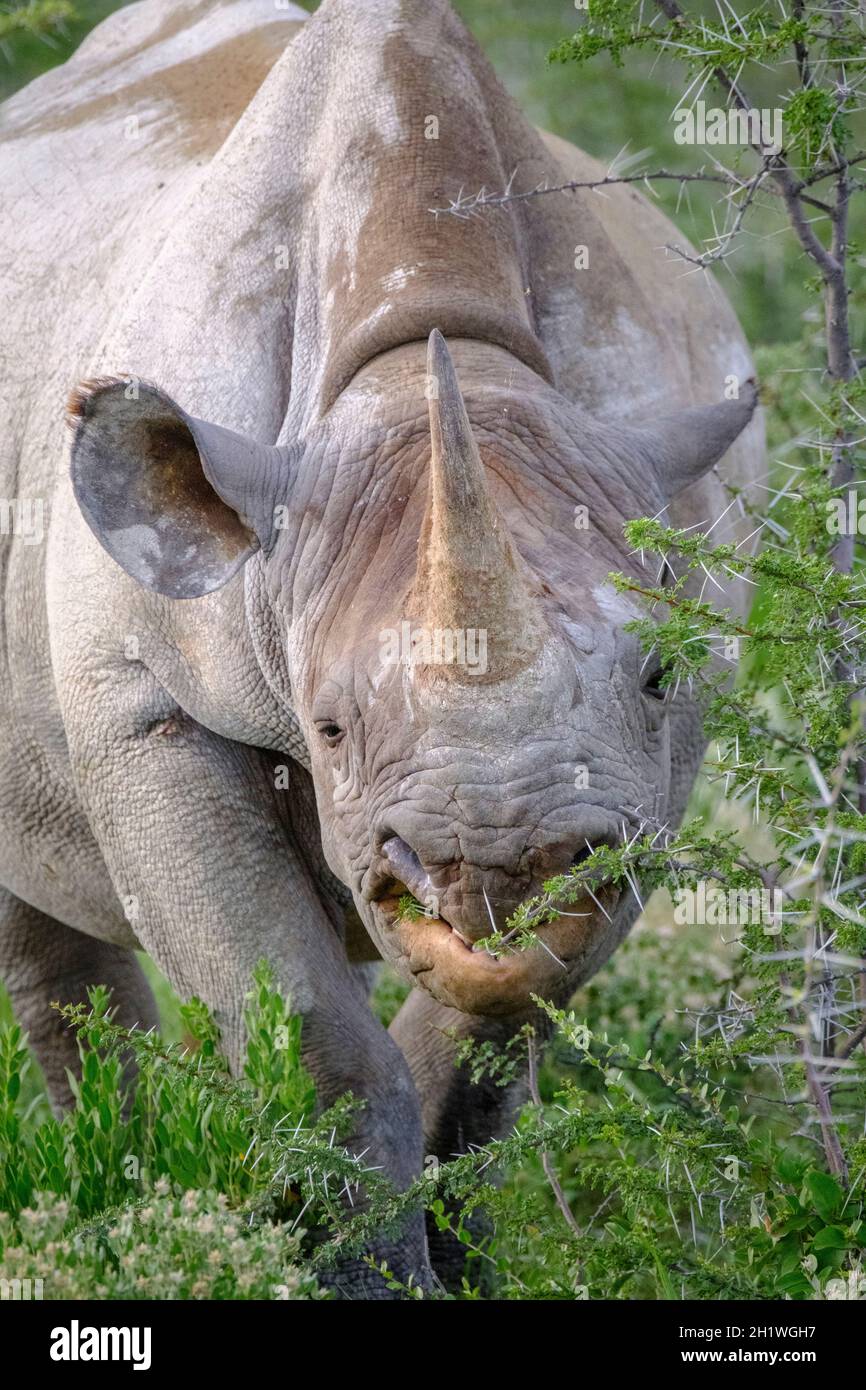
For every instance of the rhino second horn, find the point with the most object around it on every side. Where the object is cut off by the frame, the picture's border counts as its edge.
(469, 574)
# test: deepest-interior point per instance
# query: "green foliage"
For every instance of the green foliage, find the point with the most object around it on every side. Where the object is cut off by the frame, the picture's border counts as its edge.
(501, 1065)
(761, 35)
(389, 993)
(174, 1245)
(648, 1140)
(273, 1065)
(684, 1184)
(109, 1175)
(409, 909)
(815, 124)
(38, 17)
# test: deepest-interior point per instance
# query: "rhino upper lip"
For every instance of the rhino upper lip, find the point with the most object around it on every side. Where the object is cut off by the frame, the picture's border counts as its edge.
(383, 887)
(407, 867)
(388, 904)
(404, 874)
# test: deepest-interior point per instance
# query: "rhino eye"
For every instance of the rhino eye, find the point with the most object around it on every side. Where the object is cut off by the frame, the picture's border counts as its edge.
(330, 732)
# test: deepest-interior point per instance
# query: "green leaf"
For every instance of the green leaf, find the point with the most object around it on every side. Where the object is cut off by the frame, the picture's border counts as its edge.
(825, 1193)
(665, 1281)
(830, 1238)
(796, 1285)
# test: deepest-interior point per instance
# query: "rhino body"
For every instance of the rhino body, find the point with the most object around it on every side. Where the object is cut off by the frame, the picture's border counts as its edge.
(202, 754)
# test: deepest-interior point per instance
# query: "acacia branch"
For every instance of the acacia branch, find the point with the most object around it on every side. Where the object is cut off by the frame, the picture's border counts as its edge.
(546, 1161)
(830, 263)
(832, 1148)
(466, 204)
(852, 1042)
(708, 258)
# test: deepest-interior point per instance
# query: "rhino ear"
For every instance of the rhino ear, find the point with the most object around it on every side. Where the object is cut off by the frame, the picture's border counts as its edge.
(684, 446)
(178, 503)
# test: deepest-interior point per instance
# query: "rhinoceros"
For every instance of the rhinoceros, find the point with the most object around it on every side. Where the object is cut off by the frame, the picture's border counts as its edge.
(306, 597)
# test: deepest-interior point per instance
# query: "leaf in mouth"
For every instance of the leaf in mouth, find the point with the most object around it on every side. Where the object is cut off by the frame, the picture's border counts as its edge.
(409, 909)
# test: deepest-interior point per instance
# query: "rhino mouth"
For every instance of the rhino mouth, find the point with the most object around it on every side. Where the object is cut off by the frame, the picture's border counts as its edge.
(429, 952)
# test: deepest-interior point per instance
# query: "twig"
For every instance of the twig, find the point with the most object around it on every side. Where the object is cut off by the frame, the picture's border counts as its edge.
(852, 1043)
(468, 203)
(546, 1162)
(832, 1147)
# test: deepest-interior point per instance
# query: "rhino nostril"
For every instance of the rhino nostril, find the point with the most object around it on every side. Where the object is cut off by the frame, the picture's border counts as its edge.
(561, 858)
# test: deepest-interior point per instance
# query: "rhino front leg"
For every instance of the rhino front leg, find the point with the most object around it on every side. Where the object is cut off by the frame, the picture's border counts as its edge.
(199, 852)
(42, 960)
(457, 1114)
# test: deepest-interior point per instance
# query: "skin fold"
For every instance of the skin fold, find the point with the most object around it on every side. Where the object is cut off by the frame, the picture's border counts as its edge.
(222, 256)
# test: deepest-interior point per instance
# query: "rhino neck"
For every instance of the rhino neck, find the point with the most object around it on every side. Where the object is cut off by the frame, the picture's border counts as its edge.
(222, 658)
(410, 118)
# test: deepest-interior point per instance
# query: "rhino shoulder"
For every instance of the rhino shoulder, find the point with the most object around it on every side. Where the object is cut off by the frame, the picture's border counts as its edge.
(198, 64)
(689, 313)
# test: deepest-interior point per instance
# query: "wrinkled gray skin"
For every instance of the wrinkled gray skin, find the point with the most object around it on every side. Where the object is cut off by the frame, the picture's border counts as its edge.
(232, 203)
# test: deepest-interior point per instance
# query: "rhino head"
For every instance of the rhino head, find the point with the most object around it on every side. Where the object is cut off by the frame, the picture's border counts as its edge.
(477, 718)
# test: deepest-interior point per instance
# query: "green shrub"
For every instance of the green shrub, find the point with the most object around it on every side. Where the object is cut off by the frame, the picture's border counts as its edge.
(211, 1172)
(174, 1245)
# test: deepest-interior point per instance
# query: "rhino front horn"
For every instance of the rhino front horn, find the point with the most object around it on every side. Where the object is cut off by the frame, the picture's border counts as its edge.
(470, 577)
